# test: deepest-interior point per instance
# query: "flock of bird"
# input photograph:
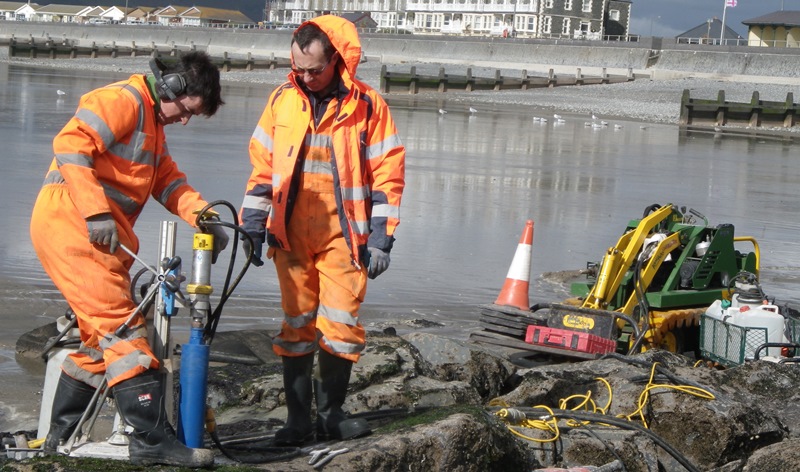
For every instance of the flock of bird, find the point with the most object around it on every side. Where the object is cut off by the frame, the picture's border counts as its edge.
(596, 122)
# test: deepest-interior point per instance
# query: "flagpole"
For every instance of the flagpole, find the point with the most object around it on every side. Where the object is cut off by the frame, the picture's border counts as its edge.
(722, 30)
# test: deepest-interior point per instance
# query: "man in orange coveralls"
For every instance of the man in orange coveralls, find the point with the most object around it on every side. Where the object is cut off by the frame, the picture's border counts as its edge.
(109, 158)
(324, 193)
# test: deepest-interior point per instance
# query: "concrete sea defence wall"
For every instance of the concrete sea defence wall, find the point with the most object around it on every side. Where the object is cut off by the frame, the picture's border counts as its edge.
(652, 56)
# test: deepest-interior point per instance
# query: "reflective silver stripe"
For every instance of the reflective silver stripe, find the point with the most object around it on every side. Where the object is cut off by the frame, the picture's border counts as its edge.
(263, 138)
(300, 321)
(386, 210)
(110, 339)
(299, 347)
(276, 180)
(381, 148)
(342, 347)
(317, 167)
(71, 368)
(360, 227)
(96, 123)
(257, 203)
(318, 140)
(128, 205)
(337, 316)
(54, 177)
(355, 193)
(93, 354)
(174, 185)
(133, 151)
(75, 159)
(127, 363)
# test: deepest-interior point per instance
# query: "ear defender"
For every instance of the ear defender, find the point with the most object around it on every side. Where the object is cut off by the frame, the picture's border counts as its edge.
(169, 86)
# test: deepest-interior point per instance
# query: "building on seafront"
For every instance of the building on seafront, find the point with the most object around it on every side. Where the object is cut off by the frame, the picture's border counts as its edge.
(552, 19)
(165, 16)
(573, 19)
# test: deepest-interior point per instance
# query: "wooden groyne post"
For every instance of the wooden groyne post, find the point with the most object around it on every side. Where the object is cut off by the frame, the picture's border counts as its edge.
(755, 113)
(411, 82)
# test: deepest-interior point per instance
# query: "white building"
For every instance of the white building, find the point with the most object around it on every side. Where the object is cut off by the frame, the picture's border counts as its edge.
(584, 19)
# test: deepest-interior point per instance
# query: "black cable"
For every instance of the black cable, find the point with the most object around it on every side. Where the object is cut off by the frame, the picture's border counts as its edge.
(262, 456)
(228, 287)
(659, 370)
(623, 424)
(135, 281)
(590, 432)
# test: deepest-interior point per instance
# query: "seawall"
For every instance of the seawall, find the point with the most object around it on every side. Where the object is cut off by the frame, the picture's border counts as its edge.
(654, 57)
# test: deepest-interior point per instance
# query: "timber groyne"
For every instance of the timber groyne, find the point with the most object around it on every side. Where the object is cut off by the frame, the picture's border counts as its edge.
(652, 57)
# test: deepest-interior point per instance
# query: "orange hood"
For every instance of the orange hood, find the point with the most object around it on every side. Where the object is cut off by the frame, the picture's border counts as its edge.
(344, 37)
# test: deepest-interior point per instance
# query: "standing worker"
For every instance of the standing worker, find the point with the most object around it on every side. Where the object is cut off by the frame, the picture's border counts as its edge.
(109, 158)
(328, 175)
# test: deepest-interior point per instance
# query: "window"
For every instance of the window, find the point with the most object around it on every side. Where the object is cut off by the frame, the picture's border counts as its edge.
(565, 27)
(567, 4)
(613, 15)
(548, 3)
(547, 24)
(586, 5)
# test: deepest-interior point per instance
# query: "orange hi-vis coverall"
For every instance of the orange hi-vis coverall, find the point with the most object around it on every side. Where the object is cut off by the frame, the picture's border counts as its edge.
(109, 158)
(326, 186)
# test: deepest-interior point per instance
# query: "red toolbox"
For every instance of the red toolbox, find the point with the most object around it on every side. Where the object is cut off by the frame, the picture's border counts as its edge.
(570, 340)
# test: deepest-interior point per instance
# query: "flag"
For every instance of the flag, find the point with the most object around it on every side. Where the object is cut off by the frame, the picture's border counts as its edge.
(730, 3)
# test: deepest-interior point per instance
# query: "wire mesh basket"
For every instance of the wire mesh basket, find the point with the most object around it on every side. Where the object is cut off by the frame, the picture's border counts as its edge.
(730, 344)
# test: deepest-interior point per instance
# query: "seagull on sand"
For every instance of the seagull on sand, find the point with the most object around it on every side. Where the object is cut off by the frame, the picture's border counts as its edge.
(556, 116)
(472, 110)
(61, 93)
(442, 111)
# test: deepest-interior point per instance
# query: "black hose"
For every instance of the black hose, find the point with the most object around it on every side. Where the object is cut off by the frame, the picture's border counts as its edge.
(620, 423)
(228, 287)
(608, 448)
(256, 455)
(659, 369)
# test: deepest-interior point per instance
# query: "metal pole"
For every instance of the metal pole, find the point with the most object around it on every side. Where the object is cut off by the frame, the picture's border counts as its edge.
(722, 30)
(160, 335)
(166, 250)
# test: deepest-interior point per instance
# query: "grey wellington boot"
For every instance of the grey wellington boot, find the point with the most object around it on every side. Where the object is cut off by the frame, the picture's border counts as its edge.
(331, 390)
(297, 388)
(140, 401)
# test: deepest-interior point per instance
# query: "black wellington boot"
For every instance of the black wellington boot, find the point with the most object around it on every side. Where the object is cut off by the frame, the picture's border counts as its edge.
(140, 401)
(331, 390)
(297, 388)
(69, 402)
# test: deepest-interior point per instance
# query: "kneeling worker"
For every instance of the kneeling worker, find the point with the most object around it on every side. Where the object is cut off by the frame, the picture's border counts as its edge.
(109, 159)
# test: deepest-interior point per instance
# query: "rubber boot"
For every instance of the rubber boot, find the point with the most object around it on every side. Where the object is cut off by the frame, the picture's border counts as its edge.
(140, 402)
(70, 401)
(331, 390)
(297, 388)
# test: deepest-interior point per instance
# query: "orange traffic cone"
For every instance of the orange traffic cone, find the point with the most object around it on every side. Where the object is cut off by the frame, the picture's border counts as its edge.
(515, 289)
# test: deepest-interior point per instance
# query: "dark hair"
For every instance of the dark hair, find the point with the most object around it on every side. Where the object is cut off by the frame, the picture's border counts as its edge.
(202, 79)
(309, 33)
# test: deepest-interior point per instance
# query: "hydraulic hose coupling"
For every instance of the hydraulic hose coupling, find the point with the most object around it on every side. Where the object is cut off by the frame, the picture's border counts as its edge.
(199, 287)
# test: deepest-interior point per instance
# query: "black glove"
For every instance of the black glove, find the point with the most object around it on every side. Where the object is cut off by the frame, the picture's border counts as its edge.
(378, 262)
(257, 249)
(220, 237)
(103, 231)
